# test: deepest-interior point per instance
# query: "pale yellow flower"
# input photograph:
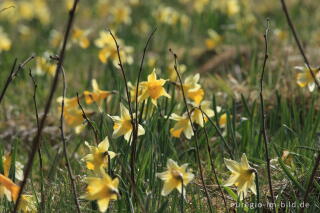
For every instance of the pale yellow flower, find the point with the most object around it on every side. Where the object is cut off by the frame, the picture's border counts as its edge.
(172, 72)
(153, 88)
(44, 66)
(80, 37)
(214, 39)
(193, 89)
(55, 38)
(242, 176)
(304, 77)
(121, 13)
(97, 95)
(182, 125)
(102, 190)
(167, 15)
(200, 5)
(99, 155)
(223, 120)
(197, 114)
(27, 204)
(174, 177)
(5, 42)
(123, 125)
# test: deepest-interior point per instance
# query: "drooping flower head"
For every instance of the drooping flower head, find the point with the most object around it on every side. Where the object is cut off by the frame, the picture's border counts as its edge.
(102, 189)
(123, 124)
(98, 158)
(242, 176)
(8, 188)
(174, 177)
(153, 88)
(97, 95)
(182, 125)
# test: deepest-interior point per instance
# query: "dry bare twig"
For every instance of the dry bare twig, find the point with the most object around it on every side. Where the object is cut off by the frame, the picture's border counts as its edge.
(193, 129)
(263, 120)
(36, 140)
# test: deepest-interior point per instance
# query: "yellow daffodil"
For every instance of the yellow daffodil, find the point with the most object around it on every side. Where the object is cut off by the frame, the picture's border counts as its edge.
(223, 120)
(193, 89)
(153, 88)
(214, 39)
(304, 77)
(98, 158)
(5, 42)
(55, 38)
(97, 95)
(123, 126)
(242, 176)
(6, 160)
(167, 15)
(69, 103)
(197, 114)
(200, 5)
(102, 190)
(80, 37)
(232, 7)
(174, 177)
(121, 14)
(43, 65)
(183, 125)
(8, 188)
(108, 50)
(172, 72)
(27, 204)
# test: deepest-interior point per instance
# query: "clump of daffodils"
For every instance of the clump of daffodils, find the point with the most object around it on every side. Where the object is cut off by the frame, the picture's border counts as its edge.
(175, 177)
(242, 176)
(102, 189)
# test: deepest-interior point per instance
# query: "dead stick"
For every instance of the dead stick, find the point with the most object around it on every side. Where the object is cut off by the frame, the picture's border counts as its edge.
(36, 140)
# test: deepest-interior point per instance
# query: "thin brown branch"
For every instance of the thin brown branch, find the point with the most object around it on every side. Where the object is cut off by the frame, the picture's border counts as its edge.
(73, 185)
(134, 130)
(84, 115)
(263, 120)
(296, 38)
(135, 133)
(36, 140)
(193, 129)
(211, 161)
(13, 73)
(34, 97)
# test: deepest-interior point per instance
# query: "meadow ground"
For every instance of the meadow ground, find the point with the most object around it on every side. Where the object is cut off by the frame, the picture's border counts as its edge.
(193, 142)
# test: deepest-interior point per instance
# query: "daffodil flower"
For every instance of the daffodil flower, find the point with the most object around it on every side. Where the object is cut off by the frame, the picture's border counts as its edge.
(223, 120)
(97, 95)
(196, 115)
(5, 42)
(44, 66)
(174, 177)
(193, 89)
(183, 125)
(242, 176)
(214, 39)
(80, 37)
(153, 88)
(27, 204)
(123, 125)
(8, 188)
(69, 103)
(102, 190)
(99, 156)
(304, 77)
